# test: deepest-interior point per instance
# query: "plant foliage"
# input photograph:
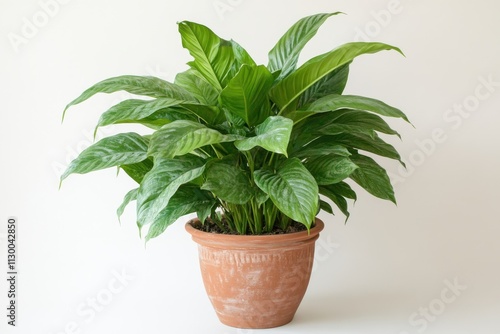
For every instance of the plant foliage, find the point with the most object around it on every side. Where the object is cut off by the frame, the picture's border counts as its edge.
(250, 147)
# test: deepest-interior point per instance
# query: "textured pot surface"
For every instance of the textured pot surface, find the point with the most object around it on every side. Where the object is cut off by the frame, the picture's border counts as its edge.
(256, 281)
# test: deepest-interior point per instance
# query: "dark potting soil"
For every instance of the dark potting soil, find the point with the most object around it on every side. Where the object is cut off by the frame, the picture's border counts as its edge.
(211, 227)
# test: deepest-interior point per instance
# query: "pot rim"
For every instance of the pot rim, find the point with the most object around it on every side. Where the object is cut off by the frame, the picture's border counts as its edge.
(259, 241)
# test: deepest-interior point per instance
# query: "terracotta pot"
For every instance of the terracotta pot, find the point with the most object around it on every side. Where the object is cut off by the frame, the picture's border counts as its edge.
(255, 281)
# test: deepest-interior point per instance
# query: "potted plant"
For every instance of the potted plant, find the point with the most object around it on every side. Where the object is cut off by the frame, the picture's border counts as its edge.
(256, 152)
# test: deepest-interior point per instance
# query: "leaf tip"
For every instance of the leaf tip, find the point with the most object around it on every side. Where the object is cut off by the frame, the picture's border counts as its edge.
(63, 176)
(64, 114)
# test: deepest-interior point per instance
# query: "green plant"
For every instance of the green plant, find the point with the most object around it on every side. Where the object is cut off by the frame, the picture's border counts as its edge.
(248, 146)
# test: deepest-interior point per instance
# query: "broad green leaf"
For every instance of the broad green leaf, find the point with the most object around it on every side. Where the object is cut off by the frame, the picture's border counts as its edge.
(352, 102)
(129, 197)
(307, 130)
(321, 149)
(273, 135)
(336, 122)
(372, 177)
(285, 54)
(165, 116)
(336, 198)
(242, 56)
(288, 91)
(292, 189)
(364, 142)
(193, 82)
(133, 110)
(138, 170)
(299, 115)
(146, 86)
(325, 207)
(343, 189)
(233, 129)
(228, 182)
(185, 201)
(246, 94)
(212, 55)
(337, 129)
(162, 182)
(332, 83)
(210, 114)
(224, 62)
(233, 119)
(121, 149)
(356, 119)
(203, 211)
(330, 168)
(203, 91)
(182, 137)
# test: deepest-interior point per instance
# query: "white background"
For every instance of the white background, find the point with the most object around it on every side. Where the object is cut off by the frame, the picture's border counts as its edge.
(373, 275)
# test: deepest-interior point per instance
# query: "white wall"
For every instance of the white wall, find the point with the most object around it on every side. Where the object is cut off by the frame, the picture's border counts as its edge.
(372, 275)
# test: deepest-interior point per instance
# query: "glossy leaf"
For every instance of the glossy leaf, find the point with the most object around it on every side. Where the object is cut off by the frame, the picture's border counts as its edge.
(330, 168)
(325, 207)
(138, 170)
(209, 114)
(285, 54)
(246, 94)
(185, 201)
(292, 189)
(373, 178)
(165, 116)
(129, 197)
(358, 121)
(339, 200)
(213, 56)
(182, 137)
(318, 149)
(133, 110)
(124, 148)
(198, 87)
(352, 102)
(273, 135)
(289, 90)
(332, 83)
(146, 86)
(370, 143)
(162, 182)
(228, 182)
(242, 56)
(343, 189)
(204, 211)
(337, 129)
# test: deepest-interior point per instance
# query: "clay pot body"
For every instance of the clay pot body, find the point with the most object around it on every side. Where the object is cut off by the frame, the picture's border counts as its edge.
(256, 281)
